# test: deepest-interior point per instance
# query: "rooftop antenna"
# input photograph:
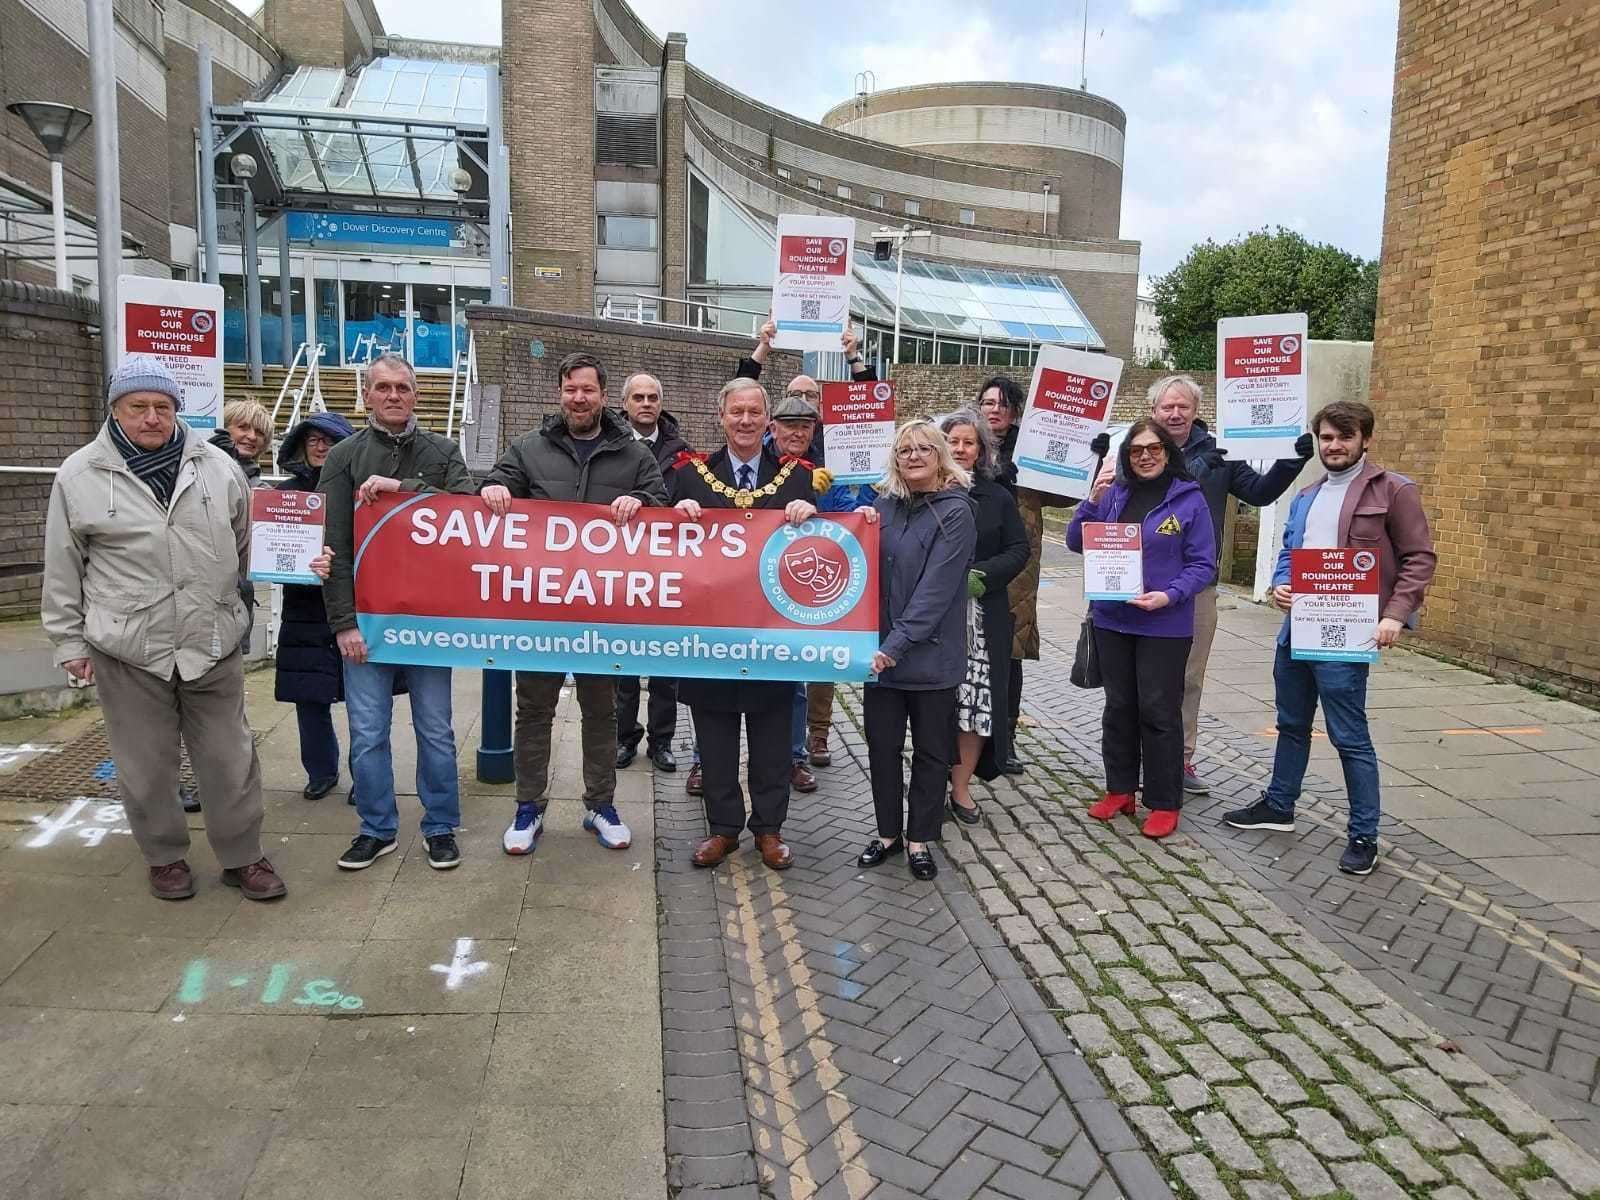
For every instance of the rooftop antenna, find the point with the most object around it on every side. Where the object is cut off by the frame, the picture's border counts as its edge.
(1084, 86)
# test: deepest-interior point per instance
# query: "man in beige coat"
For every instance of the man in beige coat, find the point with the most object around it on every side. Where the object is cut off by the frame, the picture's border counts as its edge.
(146, 544)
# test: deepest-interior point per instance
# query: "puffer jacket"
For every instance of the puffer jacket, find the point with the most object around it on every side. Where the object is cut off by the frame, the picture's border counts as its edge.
(544, 465)
(156, 588)
(925, 547)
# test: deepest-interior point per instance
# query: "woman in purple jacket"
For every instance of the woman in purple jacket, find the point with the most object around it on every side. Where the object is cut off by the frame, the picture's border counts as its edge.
(1143, 643)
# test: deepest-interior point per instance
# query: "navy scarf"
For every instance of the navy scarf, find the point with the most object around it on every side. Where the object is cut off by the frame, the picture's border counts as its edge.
(157, 468)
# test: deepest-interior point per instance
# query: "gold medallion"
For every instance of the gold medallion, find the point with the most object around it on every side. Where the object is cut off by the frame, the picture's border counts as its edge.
(743, 498)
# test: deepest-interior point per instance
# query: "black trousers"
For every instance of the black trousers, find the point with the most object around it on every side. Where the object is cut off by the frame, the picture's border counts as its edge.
(767, 735)
(662, 712)
(1013, 702)
(1143, 721)
(932, 716)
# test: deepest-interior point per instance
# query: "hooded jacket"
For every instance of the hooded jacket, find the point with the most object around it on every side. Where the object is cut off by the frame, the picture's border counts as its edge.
(1220, 476)
(310, 669)
(544, 465)
(1180, 558)
(925, 547)
(153, 586)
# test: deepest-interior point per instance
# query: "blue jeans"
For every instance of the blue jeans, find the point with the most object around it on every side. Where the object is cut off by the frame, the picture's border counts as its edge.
(319, 742)
(1342, 689)
(797, 726)
(369, 696)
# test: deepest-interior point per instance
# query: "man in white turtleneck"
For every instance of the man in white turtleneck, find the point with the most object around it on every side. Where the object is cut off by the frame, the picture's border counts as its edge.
(1360, 504)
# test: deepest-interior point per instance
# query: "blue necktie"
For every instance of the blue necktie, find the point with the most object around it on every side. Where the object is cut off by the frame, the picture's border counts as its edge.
(747, 479)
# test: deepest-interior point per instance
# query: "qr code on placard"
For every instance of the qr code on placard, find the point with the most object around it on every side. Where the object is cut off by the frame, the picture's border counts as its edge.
(861, 460)
(1057, 452)
(1261, 414)
(285, 562)
(1331, 637)
(811, 310)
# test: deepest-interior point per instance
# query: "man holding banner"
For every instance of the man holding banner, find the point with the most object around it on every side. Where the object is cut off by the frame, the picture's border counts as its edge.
(581, 455)
(1378, 515)
(744, 474)
(393, 454)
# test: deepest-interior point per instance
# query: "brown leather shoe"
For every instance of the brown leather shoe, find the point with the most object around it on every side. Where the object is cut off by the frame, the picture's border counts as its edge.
(695, 785)
(172, 882)
(258, 881)
(817, 751)
(714, 849)
(801, 779)
(773, 852)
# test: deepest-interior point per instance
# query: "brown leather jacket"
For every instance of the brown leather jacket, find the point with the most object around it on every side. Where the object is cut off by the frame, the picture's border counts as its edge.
(1382, 511)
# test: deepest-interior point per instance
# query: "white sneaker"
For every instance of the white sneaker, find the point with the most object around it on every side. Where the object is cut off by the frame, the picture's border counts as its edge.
(523, 832)
(606, 825)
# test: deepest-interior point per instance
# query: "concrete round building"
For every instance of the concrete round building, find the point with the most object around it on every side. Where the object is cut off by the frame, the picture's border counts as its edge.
(1073, 135)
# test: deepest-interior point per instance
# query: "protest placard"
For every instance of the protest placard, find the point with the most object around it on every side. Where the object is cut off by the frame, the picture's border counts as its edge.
(1068, 403)
(1113, 560)
(857, 430)
(811, 281)
(1333, 615)
(1261, 384)
(285, 535)
(740, 594)
(179, 323)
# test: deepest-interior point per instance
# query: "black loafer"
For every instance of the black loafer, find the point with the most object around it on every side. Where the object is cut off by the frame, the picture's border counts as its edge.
(1013, 766)
(626, 755)
(663, 759)
(922, 864)
(876, 852)
(318, 788)
(967, 816)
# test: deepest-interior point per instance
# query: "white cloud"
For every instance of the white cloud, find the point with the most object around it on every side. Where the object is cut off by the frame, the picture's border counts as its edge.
(1150, 9)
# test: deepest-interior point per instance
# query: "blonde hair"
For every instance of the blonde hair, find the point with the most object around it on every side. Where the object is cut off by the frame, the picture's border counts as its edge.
(248, 412)
(949, 472)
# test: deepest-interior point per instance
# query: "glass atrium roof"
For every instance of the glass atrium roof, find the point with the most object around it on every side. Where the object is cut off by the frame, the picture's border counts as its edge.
(389, 132)
(973, 302)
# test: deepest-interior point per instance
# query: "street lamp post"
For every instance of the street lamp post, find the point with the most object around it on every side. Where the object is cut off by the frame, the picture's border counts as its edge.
(243, 167)
(898, 237)
(57, 126)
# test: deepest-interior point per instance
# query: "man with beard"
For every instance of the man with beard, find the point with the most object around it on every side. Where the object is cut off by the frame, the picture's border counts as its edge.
(1357, 504)
(581, 455)
(744, 474)
(658, 430)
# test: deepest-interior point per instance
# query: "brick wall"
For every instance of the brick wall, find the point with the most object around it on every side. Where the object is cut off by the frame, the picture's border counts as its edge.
(691, 366)
(1485, 341)
(50, 404)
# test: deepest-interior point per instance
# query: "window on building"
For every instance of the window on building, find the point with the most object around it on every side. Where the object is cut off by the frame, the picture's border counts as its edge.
(913, 208)
(969, 217)
(626, 233)
(724, 247)
(783, 172)
(813, 183)
(844, 191)
(875, 199)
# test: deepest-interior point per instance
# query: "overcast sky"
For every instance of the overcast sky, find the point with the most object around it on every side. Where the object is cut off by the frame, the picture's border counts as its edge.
(1241, 113)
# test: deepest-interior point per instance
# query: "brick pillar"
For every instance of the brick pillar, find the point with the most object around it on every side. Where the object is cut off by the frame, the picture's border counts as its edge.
(547, 61)
(674, 172)
(309, 32)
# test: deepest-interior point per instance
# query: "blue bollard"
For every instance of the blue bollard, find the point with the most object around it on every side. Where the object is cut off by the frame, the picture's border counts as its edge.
(495, 761)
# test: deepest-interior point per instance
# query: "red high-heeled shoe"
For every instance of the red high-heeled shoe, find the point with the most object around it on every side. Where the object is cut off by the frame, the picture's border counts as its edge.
(1112, 804)
(1160, 822)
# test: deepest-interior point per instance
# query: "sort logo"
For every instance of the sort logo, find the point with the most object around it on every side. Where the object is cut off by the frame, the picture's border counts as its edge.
(813, 574)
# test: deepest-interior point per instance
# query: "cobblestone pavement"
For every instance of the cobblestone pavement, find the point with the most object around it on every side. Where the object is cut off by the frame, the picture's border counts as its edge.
(1511, 978)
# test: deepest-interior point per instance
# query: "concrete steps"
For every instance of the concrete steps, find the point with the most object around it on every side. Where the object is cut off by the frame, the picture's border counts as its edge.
(338, 392)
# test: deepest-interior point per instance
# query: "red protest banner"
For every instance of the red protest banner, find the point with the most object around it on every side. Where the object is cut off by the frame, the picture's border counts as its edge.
(442, 581)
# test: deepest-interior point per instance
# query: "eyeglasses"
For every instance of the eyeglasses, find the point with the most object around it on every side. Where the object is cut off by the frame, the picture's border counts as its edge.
(1148, 450)
(803, 394)
(991, 402)
(914, 452)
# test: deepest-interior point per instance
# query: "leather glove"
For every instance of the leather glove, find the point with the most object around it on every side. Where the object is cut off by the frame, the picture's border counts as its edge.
(976, 587)
(821, 479)
(1304, 446)
(1100, 446)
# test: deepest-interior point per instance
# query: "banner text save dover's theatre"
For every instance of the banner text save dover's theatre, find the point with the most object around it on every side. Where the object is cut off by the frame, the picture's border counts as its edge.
(442, 581)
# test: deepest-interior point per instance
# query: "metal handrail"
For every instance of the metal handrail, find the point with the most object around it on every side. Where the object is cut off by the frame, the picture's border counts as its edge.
(312, 381)
(467, 372)
(699, 306)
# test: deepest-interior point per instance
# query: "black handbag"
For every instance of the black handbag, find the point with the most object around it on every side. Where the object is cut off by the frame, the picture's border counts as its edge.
(1086, 663)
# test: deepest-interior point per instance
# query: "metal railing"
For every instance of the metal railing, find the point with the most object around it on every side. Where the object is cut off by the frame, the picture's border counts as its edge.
(311, 381)
(362, 352)
(463, 384)
(695, 309)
